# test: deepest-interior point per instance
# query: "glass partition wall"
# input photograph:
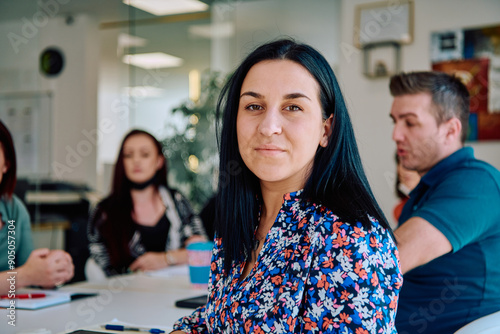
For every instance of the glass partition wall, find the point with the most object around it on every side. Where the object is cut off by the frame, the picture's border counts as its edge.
(151, 74)
(72, 84)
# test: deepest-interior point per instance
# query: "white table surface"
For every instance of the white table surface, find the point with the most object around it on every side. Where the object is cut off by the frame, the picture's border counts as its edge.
(137, 299)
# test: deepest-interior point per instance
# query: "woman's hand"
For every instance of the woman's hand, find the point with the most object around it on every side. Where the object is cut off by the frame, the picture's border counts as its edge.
(195, 238)
(149, 261)
(158, 260)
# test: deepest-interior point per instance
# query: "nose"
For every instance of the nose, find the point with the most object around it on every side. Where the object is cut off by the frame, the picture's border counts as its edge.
(397, 133)
(271, 122)
(135, 159)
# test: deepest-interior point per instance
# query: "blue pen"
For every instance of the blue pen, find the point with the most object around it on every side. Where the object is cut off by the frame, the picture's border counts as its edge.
(132, 329)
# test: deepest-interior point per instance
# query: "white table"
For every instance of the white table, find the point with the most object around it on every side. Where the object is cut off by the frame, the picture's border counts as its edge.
(138, 299)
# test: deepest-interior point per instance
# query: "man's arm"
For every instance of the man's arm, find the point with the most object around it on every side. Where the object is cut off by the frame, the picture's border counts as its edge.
(419, 242)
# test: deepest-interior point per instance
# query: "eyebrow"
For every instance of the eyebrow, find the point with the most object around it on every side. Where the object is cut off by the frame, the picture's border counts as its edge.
(404, 115)
(140, 148)
(290, 96)
(252, 94)
(296, 96)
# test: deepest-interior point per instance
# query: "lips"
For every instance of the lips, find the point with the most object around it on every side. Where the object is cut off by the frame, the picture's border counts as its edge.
(401, 151)
(270, 150)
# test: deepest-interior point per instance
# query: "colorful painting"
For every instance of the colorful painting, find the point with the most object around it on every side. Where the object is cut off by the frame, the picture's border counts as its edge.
(474, 56)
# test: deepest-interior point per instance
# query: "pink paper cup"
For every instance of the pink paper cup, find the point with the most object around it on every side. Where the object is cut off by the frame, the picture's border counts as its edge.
(199, 259)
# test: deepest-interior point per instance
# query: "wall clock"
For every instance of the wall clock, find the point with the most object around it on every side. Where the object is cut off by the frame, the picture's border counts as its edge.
(51, 62)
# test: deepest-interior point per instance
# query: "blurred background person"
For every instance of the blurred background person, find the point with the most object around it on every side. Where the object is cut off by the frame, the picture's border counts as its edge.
(40, 267)
(406, 181)
(143, 224)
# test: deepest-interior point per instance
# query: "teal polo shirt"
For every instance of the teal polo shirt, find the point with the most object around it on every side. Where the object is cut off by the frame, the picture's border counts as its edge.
(460, 196)
(20, 241)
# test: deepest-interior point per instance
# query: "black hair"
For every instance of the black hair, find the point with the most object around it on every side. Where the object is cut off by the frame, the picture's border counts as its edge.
(337, 179)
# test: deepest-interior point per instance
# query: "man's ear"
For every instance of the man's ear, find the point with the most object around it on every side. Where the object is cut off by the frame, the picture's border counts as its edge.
(453, 129)
(328, 127)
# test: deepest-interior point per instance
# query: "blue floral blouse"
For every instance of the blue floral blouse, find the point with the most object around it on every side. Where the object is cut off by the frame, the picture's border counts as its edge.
(314, 274)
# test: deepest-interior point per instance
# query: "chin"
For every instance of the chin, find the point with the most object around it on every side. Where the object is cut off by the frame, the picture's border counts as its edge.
(138, 180)
(269, 174)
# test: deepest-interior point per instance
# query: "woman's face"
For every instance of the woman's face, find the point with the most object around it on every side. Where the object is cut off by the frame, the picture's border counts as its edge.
(140, 158)
(3, 163)
(280, 124)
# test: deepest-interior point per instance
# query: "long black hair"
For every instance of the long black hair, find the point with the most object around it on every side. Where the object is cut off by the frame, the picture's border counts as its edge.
(337, 179)
(117, 227)
(8, 183)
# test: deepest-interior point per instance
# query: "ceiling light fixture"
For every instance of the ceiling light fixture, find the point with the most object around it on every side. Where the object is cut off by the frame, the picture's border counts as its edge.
(168, 7)
(126, 41)
(143, 91)
(153, 60)
(217, 30)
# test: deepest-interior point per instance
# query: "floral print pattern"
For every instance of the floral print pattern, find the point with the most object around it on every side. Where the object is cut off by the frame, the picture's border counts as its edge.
(314, 274)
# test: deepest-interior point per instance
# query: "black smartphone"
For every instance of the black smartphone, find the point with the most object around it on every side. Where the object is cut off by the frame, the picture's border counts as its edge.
(76, 296)
(193, 302)
(83, 331)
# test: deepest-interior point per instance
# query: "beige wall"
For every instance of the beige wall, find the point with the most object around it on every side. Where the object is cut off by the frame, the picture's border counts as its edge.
(369, 100)
(72, 155)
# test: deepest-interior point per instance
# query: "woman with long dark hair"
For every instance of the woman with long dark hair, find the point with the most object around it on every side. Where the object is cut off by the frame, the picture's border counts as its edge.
(301, 244)
(143, 224)
(42, 267)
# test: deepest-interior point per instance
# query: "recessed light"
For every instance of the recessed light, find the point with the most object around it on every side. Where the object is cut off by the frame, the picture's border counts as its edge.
(143, 91)
(225, 29)
(153, 60)
(126, 40)
(168, 7)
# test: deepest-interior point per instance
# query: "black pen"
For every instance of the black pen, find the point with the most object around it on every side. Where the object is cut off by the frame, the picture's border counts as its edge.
(132, 329)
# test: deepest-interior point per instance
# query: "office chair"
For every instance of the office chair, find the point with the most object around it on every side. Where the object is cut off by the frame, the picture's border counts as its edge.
(489, 324)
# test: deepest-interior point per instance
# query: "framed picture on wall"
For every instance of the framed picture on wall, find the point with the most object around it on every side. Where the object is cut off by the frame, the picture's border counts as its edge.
(474, 56)
(382, 22)
(446, 45)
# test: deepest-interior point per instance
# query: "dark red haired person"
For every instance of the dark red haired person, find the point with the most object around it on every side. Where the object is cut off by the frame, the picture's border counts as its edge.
(143, 224)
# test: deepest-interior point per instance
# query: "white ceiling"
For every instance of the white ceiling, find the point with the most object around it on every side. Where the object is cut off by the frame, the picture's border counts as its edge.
(104, 10)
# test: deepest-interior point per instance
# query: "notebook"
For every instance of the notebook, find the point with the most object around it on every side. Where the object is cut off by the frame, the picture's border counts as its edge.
(51, 298)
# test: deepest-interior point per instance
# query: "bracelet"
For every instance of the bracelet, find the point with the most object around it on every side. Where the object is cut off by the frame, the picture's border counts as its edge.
(170, 258)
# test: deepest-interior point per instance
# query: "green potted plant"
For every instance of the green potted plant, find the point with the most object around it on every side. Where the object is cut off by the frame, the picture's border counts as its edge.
(192, 154)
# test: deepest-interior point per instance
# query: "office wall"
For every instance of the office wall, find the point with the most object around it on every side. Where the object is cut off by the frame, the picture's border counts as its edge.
(369, 99)
(255, 22)
(75, 98)
(74, 91)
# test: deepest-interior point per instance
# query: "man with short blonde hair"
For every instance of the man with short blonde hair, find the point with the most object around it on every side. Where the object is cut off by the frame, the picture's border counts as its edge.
(449, 232)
